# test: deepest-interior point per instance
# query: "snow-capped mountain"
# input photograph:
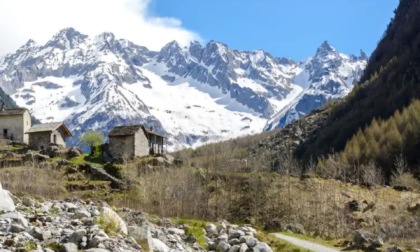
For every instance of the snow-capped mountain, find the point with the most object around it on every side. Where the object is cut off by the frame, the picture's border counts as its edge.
(328, 75)
(194, 94)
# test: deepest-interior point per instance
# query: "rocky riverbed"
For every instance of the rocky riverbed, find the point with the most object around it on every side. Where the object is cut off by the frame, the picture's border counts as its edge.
(74, 225)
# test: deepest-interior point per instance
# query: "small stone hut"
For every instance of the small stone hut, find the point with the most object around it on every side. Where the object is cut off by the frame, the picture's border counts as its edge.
(134, 141)
(14, 123)
(42, 135)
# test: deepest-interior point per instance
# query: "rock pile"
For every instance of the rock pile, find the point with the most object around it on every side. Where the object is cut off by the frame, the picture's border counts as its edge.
(73, 225)
(226, 237)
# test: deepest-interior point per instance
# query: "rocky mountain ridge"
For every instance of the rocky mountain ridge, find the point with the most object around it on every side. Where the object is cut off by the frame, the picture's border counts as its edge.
(194, 94)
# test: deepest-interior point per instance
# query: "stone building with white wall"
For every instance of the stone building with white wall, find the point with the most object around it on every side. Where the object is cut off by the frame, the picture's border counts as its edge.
(14, 123)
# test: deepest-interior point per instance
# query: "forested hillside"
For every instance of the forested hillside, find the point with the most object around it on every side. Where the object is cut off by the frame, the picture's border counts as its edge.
(390, 82)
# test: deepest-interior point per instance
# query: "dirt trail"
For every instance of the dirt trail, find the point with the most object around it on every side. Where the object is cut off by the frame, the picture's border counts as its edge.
(315, 247)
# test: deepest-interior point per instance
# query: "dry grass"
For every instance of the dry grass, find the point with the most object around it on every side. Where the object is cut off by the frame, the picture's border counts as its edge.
(272, 201)
(34, 181)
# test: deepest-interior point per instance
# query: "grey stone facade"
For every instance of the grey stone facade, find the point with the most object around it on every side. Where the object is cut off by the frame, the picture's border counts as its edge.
(127, 142)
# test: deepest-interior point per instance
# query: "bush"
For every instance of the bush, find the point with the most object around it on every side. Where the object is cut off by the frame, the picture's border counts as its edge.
(405, 179)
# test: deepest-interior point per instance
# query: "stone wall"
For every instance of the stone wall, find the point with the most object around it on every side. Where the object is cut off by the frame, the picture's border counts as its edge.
(39, 139)
(121, 147)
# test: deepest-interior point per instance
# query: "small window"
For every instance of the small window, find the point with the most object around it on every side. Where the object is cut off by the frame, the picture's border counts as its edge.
(55, 139)
(5, 133)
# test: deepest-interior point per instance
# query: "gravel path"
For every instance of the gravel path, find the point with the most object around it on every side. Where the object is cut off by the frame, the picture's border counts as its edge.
(305, 244)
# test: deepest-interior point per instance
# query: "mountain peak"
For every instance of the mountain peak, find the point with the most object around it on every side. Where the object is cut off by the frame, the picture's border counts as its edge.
(325, 49)
(68, 33)
(29, 44)
(66, 38)
(326, 45)
(363, 55)
(171, 47)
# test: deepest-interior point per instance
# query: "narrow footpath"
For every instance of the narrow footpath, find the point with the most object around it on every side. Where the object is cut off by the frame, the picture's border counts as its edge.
(315, 247)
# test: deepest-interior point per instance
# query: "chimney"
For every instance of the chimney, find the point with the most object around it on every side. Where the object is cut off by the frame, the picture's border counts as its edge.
(151, 129)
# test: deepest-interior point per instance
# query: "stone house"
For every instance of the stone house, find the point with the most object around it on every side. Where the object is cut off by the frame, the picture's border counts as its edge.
(14, 123)
(134, 141)
(42, 135)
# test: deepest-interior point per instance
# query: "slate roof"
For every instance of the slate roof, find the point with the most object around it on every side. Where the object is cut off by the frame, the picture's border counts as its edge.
(15, 111)
(130, 130)
(48, 127)
(124, 130)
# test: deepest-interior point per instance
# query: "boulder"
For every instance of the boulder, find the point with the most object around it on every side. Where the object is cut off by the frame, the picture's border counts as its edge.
(262, 247)
(353, 206)
(6, 201)
(159, 246)
(41, 158)
(98, 238)
(69, 247)
(53, 151)
(82, 213)
(16, 228)
(29, 157)
(251, 242)
(77, 236)
(243, 248)
(170, 159)
(363, 239)
(236, 234)
(211, 229)
(235, 248)
(296, 228)
(223, 247)
(40, 234)
(74, 152)
(176, 231)
(17, 217)
(110, 215)
(142, 235)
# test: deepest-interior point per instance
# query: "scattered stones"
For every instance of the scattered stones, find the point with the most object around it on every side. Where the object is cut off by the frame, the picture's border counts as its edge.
(227, 237)
(74, 225)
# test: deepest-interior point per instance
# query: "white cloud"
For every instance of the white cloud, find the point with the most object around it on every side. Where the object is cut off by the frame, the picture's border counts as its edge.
(21, 20)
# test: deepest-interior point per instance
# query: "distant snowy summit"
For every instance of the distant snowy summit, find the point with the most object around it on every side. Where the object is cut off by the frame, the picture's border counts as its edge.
(326, 76)
(194, 95)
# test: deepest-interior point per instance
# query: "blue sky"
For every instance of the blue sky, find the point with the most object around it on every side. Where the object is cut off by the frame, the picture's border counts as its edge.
(293, 28)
